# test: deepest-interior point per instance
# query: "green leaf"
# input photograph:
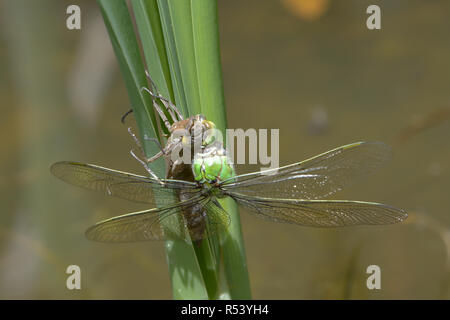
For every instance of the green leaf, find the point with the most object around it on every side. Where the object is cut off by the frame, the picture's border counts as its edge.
(209, 79)
(181, 48)
(118, 23)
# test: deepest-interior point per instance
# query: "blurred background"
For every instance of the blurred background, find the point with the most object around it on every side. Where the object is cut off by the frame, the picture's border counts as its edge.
(308, 67)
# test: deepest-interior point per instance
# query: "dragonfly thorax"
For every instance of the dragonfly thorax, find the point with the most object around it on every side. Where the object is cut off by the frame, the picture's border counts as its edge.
(212, 165)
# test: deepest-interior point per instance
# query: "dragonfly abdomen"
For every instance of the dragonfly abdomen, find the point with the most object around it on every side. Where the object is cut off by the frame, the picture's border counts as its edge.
(195, 217)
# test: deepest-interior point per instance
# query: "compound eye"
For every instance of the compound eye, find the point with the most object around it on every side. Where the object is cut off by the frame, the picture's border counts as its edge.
(209, 124)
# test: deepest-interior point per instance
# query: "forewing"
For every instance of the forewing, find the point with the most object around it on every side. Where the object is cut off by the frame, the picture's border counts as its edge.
(119, 184)
(321, 213)
(316, 177)
(156, 224)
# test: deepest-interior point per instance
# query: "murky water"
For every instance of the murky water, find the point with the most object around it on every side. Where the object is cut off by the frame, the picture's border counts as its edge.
(321, 77)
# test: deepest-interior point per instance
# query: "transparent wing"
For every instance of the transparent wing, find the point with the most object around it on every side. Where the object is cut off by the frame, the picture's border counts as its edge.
(321, 213)
(171, 222)
(314, 178)
(120, 184)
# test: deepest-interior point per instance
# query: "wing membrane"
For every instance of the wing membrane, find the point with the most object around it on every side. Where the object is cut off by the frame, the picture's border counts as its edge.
(161, 223)
(321, 213)
(218, 219)
(154, 224)
(315, 178)
(119, 184)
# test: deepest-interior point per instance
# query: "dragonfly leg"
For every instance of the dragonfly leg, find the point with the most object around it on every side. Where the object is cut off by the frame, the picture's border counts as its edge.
(138, 143)
(159, 110)
(170, 105)
(136, 140)
(162, 115)
(146, 167)
(163, 151)
(157, 143)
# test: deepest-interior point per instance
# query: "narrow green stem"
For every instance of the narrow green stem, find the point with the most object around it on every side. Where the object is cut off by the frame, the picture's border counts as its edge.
(181, 49)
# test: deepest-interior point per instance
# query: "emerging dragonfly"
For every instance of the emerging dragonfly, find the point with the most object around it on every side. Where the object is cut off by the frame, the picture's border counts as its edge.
(290, 194)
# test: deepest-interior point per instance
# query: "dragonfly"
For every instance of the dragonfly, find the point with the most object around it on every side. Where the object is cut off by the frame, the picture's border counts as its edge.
(293, 194)
(185, 205)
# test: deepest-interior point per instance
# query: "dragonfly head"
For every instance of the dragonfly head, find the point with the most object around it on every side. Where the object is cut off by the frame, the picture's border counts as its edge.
(202, 131)
(195, 132)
